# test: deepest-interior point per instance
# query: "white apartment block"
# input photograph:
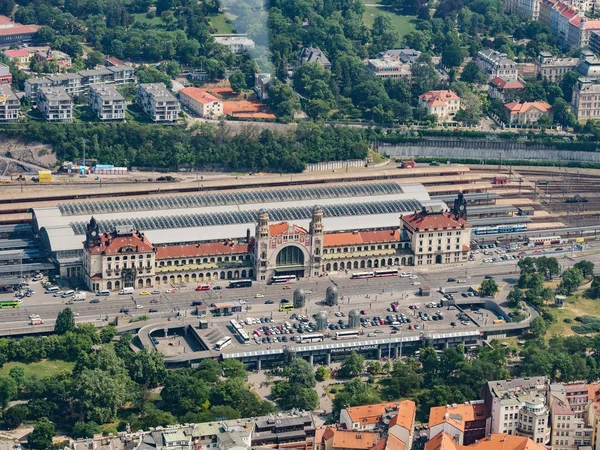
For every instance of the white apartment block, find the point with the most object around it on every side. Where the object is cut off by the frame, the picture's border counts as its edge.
(569, 432)
(71, 82)
(237, 43)
(9, 104)
(444, 104)
(33, 85)
(497, 64)
(585, 102)
(55, 104)
(552, 68)
(158, 102)
(518, 407)
(528, 9)
(201, 102)
(107, 102)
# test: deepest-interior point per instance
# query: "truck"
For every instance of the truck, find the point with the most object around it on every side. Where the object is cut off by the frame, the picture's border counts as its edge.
(79, 296)
(126, 291)
(37, 321)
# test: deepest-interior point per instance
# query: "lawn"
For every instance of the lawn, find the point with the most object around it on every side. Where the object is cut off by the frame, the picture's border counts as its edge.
(576, 306)
(44, 368)
(155, 21)
(221, 24)
(402, 24)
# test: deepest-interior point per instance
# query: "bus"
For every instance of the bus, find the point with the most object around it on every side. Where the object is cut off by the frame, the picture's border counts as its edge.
(225, 342)
(237, 328)
(9, 304)
(282, 279)
(308, 338)
(346, 334)
(359, 275)
(545, 240)
(239, 284)
(284, 307)
(386, 273)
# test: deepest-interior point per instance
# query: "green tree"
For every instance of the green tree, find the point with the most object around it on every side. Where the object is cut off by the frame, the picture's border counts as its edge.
(65, 322)
(85, 429)
(237, 80)
(489, 288)
(470, 112)
(322, 373)
(586, 268)
(232, 368)
(94, 58)
(8, 390)
(527, 265)
(430, 363)
(108, 333)
(472, 74)
(594, 291)
(452, 52)
(300, 372)
(353, 365)
(17, 373)
(538, 327)
(373, 367)
(41, 436)
(571, 279)
(14, 416)
(405, 379)
(148, 368)
(514, 297)
(99, 394)
(283, 100)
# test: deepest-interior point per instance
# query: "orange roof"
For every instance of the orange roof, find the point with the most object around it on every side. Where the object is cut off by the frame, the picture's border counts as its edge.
(504, 442)
(406, 415)
(522, 108)
(111, 244)
(457, 415)
(503, 84)
(360, 237)
(346, 439)
(438, 98)
(441, 441)
(588, 24)
(191, 250)
(393, 443)
(282, 227)
(19, 29)
(319, 434)
(200, 95)
(17, 53)
(434, 221)
(593, 391)
(371, 414)
(4, 20)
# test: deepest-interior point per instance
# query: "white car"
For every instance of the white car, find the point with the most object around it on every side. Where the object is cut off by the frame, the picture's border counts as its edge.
(461, 281)
(416, 283)
(139, 306)
(413, 277)
(308, 291)
(34, 316)
(242, 302)
(406, 274)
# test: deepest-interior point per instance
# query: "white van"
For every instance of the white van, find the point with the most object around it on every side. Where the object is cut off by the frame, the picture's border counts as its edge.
(406, 274)
(104, 293)
(126, 291)
(79, 296)
(69, 293)
(51, 289)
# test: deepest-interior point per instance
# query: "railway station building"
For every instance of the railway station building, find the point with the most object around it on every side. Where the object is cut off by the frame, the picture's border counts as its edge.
(167, 240)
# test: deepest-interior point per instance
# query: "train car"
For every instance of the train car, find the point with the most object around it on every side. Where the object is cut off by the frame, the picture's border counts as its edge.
(498, 229)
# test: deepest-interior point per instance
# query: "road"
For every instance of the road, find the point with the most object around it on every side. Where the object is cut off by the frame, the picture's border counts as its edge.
(362, 294)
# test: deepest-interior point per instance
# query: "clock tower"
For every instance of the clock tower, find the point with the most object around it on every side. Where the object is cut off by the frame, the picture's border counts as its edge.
(460, 206)
(92, 234)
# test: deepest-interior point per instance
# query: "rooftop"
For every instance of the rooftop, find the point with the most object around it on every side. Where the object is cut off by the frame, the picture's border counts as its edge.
(370, 414)
(157, 91)
(524, 108)
(424, 220)
(107, 92)
(503, 84)
(16, 53)
(314, 55)
(113, 243)
(55, 93)
(458, 414)
(199, 95)
(360, 237)
(192, 250)
(6, 93)
(438, 98)
(346, 439)
(283, 227)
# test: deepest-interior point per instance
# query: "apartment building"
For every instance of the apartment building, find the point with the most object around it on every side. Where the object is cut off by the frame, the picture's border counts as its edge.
(585, 102)
(553, 68)
(497, 64)
(504, 90)
(527, 113)
(107, 102)
(444, 441)
(55, 104)
(569, 431)
(237, 43)
(444, 104)
(394, 64)
(122, 74)
(466, 422)
(336, 439)
(94, 77)
(71, 82)
(158, 102)
(201, 102)
(528, 9)
(5, 75)
(283, 432)
(9, 104)
(20, 56)
(33, 86)
(12, 33)
(518, 407)
(224, 435)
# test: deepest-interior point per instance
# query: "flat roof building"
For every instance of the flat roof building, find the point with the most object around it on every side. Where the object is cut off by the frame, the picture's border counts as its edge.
(237, 43)
(201, 102)
(55, 104)
(158, 102)
(9, 104)
(15, 33)
(107, 102)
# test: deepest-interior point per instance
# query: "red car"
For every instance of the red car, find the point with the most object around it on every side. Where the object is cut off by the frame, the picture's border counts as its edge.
(203, 287)
(363, 312)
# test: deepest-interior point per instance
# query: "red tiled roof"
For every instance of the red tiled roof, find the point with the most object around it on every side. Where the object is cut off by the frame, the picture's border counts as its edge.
(19, 29)
(200, 95)
(503, 84)
(361, 237)
(522, 108)
(16, 53)
(191, 250)
(434, 221)
(111, 244)
(504, 442)
(371, 414)
(438, 98)
(282, 227)
(97, 276)
(113, 60)
(458, 415)
(5, 20)
(350, 440)
(441, 441)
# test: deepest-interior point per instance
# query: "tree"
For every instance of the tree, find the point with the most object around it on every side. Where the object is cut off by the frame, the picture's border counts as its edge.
(470, 112)
(99, 394)
(452, 52)
(148, 368)
(85, 429)
(594, 291)
(300, 372)
(586, 268)
(571, 279)
(94, 58)
(562, 113)
(232, 368)
(322, 373)
(353, 365)
(108, 333)
(538, 327)
(283, 100)
(65, 322)
(8, 390)
(527, 265)
(17, 373)
(237, 80)
(488, 288)
(7, 7)
(41, 436)
(472, 74)
(373, 367)
(383, 34)
(14, 416)
(514, 297)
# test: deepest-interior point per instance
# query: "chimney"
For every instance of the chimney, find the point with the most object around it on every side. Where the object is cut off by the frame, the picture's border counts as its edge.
(247, 235)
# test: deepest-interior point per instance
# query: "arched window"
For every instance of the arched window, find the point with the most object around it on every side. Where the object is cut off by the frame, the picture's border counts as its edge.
(290, 256)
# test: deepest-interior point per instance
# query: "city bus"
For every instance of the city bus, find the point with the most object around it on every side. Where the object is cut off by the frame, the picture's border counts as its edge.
(284, 307)
(237, 328)
(282, 279)
(239, 284)
(225, 342)
(359, 275)
(308, 338)
(9, 304)
(386, 273)
(346, 334)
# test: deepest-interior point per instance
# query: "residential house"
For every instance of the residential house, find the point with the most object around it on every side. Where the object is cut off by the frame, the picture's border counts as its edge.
(528, 9)
(122, 73)
(158, 102)
(12, 33)
(282, 432)
(465, 422)
(20, 56)
(527, 113)
(5, 75)
(444, 104)
(569, 430)
(237, 43)
(496, 64)
(335, 439)
(201, 102)
(32, 87)
(262, 81)
(394, 64)
(313, 55)
(71, 82)
(518, 407)
(580, 29)
(553, 68)
(61, 59)
(504, 90)
(93, 77)
(107, 103)
(445, 441)
(55, 104)
(585, 102)
(112, 61)
(9, 104)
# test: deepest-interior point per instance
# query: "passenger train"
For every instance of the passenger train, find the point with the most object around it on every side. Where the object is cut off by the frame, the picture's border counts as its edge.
(497, 229)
